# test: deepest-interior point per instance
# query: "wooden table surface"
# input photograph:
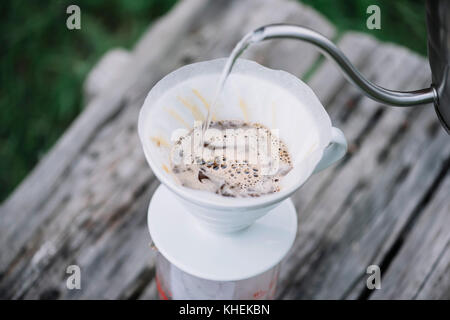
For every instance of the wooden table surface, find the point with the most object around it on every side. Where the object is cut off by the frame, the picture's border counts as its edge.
(387, 203)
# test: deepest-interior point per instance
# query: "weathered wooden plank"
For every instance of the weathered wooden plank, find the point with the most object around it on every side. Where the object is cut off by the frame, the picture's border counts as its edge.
(150, 292)
(95, 204)
(356, 237)
(436, 285)
(317, 240)
(425, 247)
(94, 214)
(107, 71)
(421, 161)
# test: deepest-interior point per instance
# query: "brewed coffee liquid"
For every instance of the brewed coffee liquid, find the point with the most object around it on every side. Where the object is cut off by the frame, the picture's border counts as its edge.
(238, 159)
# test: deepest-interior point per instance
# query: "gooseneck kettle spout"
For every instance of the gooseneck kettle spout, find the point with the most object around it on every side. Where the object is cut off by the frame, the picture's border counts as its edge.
(391, 97)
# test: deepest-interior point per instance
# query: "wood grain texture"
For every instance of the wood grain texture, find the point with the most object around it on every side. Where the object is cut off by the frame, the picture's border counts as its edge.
(385, 203)
(86, 202)
(424, 254)
(337, 236)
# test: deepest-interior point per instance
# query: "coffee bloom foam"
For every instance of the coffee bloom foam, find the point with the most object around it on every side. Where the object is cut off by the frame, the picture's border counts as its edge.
(232, 158)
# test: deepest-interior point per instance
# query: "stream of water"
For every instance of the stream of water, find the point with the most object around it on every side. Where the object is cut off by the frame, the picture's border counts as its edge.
(240, 47)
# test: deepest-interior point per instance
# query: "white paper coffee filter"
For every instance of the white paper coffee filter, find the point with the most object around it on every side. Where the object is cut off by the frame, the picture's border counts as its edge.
(253, 93)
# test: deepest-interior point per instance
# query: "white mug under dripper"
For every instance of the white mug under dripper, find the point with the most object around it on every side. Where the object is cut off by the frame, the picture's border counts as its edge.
(215, 247)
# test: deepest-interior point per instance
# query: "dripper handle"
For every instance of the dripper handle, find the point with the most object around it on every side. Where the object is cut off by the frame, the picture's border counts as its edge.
(334, 151)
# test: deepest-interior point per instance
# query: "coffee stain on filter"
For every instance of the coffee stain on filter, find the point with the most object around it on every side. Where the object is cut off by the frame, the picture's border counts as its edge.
(244, 109)
(165, 168)
(274, 116)
(192, 108)
(178, 117)
(204, 102)
(160, 142)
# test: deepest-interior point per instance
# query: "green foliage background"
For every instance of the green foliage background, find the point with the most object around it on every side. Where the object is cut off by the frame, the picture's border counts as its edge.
(43, 64)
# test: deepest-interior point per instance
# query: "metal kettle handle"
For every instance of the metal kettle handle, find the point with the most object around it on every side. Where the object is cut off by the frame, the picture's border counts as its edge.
(391, 97)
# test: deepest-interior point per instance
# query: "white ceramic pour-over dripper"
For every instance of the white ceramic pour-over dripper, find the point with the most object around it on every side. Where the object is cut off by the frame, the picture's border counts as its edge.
(252, 93)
